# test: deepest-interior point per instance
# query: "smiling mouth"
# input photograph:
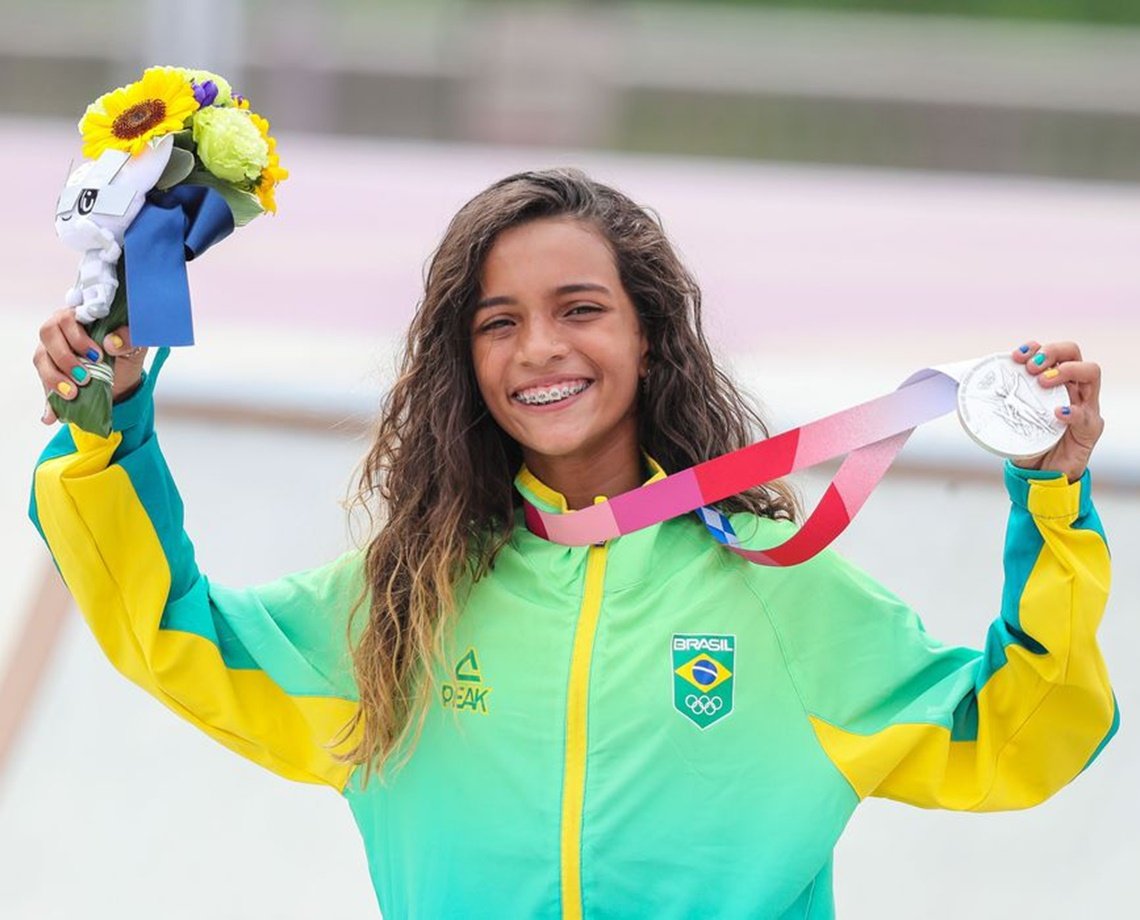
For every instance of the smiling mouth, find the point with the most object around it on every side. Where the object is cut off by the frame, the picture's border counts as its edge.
(545, 396)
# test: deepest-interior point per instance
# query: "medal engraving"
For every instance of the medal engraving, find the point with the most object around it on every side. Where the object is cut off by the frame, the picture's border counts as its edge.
(1007, 412)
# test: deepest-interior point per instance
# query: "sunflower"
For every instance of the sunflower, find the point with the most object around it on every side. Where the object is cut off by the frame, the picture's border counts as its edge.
(128, 117)
(273, 173)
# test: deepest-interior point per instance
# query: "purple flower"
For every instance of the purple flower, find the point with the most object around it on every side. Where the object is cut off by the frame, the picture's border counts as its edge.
(205, 93)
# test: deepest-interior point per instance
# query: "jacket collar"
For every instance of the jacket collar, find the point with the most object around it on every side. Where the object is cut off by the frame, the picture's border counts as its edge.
(539, 494)
(559, 568)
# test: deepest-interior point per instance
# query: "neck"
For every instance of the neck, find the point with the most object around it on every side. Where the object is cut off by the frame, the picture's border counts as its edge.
(613, 469)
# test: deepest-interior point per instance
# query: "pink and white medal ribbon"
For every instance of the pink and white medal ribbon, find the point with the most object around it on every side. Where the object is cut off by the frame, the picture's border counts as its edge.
(999, 403)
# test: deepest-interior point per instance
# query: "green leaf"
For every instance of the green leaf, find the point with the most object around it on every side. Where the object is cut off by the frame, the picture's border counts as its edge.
(184, 139)
(244, 205)
(90, 410)
(180, 165)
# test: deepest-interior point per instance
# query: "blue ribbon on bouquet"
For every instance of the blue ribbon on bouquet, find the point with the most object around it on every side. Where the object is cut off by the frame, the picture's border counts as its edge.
(173, 227)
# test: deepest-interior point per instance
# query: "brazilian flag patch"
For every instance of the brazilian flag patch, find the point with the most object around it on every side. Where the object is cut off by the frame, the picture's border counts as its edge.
(703, 666)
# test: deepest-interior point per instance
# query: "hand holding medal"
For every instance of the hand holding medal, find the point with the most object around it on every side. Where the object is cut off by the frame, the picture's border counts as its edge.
(173, 163)
(1059, 367)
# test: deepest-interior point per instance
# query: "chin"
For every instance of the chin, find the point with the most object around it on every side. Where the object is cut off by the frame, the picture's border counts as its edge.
(555, 443)
(555, 447)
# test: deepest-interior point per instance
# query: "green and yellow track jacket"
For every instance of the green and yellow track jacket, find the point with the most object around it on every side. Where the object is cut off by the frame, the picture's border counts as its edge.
(619, 721)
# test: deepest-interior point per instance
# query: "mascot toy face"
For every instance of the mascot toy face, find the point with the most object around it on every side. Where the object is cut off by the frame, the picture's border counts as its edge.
(108, 193)
(97, 205)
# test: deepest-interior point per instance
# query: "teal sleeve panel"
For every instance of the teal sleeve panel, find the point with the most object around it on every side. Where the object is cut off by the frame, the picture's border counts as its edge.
(905, 717)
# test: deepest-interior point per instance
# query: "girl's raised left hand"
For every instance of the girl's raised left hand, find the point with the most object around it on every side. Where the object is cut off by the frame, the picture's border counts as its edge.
(1058, 363)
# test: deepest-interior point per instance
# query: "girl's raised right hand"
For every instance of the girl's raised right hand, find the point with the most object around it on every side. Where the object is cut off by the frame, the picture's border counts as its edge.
(65, 346)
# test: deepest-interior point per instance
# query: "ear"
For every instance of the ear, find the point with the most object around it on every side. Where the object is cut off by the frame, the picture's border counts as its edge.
(643, 356)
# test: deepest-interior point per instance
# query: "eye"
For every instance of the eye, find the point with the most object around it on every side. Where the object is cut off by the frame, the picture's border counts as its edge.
(583, 309)
(495, 325)
(87, 200)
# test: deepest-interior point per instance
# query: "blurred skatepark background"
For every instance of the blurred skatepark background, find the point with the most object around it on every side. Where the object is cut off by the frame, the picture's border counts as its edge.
(861, 189)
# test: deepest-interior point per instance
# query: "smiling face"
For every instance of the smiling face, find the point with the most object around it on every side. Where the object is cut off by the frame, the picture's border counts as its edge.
(556, 344)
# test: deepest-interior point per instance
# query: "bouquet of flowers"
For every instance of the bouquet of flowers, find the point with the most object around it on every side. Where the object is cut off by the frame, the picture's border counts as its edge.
(173, 163)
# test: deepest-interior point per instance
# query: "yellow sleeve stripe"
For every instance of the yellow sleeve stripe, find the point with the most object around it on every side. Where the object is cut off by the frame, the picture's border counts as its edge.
(112, 561)
(1003, 769)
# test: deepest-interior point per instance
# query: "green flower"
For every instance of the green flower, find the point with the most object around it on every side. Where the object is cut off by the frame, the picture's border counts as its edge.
(229, 144)
(225, 92)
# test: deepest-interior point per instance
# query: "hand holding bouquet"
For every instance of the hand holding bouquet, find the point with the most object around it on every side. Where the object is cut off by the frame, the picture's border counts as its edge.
(173, 163)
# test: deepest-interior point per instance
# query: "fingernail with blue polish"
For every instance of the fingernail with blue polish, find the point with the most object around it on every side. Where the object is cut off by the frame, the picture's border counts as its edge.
(1065, 410)
(1024, 349)
(92, 354)
(79, 373)
(1039, 358)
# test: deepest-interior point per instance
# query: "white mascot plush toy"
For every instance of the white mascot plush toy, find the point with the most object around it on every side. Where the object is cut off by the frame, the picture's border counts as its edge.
(95, 208)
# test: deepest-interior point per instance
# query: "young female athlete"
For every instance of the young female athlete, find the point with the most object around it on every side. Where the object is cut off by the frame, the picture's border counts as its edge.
(619, 721)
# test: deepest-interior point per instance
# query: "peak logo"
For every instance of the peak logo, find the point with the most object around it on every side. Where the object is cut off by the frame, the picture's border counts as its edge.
(466, 693)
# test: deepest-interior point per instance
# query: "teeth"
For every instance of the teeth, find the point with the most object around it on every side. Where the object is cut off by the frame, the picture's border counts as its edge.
(551, 394)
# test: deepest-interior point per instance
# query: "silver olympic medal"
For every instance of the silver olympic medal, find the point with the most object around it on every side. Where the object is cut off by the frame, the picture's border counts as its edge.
(1007, 411)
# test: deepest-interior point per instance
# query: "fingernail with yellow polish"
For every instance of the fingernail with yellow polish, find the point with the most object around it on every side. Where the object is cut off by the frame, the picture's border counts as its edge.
(1051, 373)
(116, 341)
(65, 388)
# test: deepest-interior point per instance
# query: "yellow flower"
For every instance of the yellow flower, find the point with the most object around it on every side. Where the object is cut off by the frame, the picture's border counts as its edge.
(127, 117)
(267, 185)
(273, 172)
(262, 124)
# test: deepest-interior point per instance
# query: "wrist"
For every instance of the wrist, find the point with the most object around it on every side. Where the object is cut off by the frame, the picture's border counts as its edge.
(132, 413)
(127, 393)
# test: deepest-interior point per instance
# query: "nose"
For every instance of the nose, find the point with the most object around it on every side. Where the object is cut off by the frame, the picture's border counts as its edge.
(541, 342)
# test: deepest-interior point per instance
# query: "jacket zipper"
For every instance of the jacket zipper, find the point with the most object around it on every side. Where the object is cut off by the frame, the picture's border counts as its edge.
(577, 706)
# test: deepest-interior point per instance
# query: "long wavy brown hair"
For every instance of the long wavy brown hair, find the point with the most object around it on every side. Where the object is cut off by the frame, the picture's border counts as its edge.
(439, 475)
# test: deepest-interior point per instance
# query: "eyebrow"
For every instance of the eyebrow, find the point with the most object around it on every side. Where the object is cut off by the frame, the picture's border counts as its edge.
(576, 288)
